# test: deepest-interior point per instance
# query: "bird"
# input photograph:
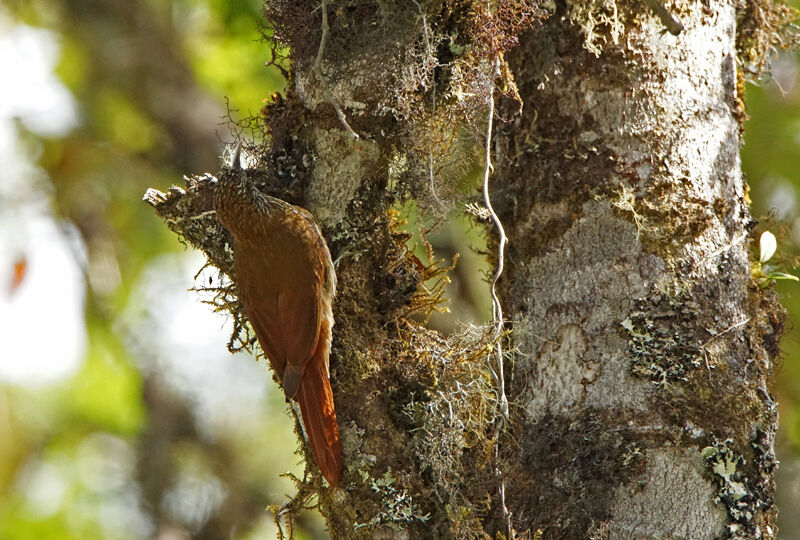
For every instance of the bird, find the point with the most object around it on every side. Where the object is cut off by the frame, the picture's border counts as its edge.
(286, 283)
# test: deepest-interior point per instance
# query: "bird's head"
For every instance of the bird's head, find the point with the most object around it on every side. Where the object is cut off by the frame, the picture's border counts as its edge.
(234, 192)
(237, 199)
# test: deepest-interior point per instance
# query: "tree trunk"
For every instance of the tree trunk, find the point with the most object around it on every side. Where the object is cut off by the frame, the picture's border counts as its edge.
(641, 346)
(645, 350)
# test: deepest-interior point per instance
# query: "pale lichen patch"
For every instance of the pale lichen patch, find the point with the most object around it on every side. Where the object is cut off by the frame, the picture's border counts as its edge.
(339, 164)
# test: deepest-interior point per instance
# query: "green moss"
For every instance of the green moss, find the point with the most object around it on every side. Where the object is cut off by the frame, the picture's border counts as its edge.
(763, 27)
(679, 220)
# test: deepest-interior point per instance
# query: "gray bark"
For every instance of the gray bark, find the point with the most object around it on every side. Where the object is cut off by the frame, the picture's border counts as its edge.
(645, 347)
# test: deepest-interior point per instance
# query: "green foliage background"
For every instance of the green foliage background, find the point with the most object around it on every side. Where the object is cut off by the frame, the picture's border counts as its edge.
(771, 161)
(151, 79)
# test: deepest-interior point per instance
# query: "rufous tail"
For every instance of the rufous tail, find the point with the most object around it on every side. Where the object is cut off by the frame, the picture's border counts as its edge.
(319, 418)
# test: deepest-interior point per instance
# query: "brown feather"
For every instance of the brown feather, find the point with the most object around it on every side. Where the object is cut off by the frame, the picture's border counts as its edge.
(282, 300)
(286, 284)
(319, 416)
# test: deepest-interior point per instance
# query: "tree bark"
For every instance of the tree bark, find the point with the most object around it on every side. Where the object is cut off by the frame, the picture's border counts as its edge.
(645, 347)
(641, 346)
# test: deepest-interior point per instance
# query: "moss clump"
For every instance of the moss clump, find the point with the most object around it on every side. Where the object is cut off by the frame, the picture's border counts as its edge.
(591, 454)
(449, 421)
(408, 76)
(680, 220)
(763, 27)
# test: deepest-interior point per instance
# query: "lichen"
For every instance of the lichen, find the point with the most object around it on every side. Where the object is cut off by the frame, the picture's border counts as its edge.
(764, 27)
(189, 213)
(680, 219)
(397, 506)
(450, 421)
(663, 346)
(744, 489)
(600, 22)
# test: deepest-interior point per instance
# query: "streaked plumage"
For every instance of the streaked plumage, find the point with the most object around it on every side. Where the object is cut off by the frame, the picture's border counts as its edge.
(286, 283)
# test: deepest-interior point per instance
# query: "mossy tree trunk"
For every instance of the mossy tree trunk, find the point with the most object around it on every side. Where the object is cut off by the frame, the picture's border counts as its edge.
(645, 347)
(642, 349)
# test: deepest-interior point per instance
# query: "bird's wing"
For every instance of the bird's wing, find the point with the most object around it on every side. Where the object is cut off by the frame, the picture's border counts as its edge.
(300, 325)
(280, 294)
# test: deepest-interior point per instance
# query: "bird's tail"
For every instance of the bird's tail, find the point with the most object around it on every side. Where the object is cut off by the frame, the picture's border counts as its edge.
(319, 417)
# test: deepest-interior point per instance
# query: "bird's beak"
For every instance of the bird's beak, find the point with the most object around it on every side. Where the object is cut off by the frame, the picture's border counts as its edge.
(236, 162)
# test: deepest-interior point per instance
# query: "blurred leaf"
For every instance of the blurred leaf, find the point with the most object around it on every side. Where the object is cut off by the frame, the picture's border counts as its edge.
(119, 121)
(234, 66)
(21, 524)
(106, 393)
(72, 66)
